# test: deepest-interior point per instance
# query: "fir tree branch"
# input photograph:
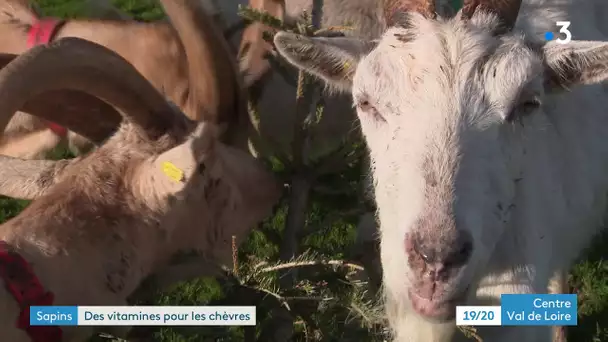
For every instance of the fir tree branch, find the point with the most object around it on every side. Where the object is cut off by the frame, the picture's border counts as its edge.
(470, 332)
(332, 31)
(235, 259)
(254, 15)
(265, 143)
(296, 264)
(278, 297)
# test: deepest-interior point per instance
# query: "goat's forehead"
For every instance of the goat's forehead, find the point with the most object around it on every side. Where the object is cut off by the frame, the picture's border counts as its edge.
(443, 54)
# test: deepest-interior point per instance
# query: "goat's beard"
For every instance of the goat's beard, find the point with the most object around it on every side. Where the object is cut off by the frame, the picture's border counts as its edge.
(407, 326)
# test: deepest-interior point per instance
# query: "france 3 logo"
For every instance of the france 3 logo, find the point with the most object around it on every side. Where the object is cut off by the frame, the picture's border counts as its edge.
(563, 29)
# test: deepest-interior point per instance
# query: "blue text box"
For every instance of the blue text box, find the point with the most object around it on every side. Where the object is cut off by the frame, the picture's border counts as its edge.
(53, 315)
(538, 309)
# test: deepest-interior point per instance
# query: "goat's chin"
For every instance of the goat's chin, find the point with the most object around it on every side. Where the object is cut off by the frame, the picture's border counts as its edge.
(435, 312)
(407, 325)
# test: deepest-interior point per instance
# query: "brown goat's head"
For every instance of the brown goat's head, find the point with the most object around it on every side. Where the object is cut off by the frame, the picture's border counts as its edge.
(160, 170)
(253, 48)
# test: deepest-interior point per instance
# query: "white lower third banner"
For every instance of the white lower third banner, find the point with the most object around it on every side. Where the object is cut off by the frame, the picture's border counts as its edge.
(478, 315)
(142, 315)
(523, 310)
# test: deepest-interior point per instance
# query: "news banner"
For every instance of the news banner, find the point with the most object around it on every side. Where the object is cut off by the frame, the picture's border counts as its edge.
(515, 309)
(522, 309)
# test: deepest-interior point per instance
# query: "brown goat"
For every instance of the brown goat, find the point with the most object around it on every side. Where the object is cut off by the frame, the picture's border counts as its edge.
(254, 48)
(103, 222)
(189, 62)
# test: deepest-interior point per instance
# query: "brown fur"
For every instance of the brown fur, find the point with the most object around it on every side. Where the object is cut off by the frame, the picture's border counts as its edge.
(393, 8)
(507, 10)
(111, 218)
(201, 78)
(253, 49)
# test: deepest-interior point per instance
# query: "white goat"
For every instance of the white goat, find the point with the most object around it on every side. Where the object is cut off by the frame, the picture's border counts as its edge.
(276, 96)
(103, 222)
(487, 145)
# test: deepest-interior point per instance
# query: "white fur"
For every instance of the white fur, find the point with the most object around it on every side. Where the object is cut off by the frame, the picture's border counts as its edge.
(558, 153)
(532, 193)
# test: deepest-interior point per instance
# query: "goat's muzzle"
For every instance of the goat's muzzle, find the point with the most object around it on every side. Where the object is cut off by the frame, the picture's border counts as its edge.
(436, 262)
(435, 310)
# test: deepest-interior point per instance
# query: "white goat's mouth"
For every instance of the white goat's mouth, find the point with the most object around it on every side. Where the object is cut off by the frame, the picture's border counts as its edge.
(439, 310)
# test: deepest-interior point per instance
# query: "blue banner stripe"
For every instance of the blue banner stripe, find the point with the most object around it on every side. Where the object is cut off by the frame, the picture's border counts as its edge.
(53, 315)
(538, 309)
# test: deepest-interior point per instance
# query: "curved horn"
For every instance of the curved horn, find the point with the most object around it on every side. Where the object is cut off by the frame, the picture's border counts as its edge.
(212, 69)
(507, 10)
(78, 110)
(77, 64)
(392, 9)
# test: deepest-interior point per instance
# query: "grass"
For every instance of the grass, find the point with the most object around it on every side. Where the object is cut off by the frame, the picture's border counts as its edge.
(589, 278)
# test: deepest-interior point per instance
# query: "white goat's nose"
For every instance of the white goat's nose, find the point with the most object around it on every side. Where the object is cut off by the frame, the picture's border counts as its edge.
(446, 251)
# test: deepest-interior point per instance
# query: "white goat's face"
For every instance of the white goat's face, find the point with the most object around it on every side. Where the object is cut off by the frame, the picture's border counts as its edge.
(439, 104)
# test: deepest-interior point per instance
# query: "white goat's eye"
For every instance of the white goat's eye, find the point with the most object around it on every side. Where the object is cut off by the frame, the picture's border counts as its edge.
(524, 108)
(364, 105)
(528, 106)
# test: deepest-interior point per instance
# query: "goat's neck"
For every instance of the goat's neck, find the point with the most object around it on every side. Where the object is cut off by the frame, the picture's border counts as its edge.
(123, 37)
(152, 48)
(88, 262)
(14, 39)
(99, 250)
(158, 54)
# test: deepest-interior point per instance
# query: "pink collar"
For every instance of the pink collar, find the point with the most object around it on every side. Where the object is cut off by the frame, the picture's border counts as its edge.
(43, 31)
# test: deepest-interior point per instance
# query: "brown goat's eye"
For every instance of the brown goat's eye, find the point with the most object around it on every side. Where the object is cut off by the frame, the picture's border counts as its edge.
(202, 168)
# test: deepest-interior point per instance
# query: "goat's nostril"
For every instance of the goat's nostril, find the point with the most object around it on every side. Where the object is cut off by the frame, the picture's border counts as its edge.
(419, 248)
(462, 254)
(425, 257)
(465, 250)
(447, 253)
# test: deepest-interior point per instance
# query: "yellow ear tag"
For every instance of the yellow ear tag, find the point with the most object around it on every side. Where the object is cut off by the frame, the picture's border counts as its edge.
(173, 171)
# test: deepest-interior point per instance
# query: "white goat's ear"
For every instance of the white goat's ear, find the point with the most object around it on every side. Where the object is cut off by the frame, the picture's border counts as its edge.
(575, 63)
(334, 60)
